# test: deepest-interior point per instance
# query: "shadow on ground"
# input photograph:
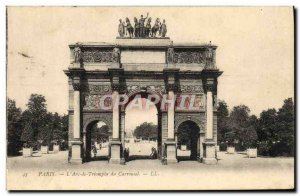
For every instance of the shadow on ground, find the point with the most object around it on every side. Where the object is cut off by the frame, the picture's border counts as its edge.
(98, 158)
(138, 157)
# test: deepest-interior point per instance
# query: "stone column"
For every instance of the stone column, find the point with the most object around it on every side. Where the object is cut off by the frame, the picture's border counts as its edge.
(159, 136)
(76, 123)
(171, 133)
(170, 144)
(76, 142)
(122, 136)
(209, 145)
(209, 115)
(115, 142)
(116, 115)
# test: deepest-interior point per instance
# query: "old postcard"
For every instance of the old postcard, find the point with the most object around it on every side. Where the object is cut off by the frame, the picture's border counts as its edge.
(150, 98)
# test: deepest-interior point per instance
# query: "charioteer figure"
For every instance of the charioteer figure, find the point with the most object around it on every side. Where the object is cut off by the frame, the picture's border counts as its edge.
(142, 25)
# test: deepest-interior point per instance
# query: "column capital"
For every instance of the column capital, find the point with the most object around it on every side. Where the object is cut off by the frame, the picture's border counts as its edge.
(171, 78)
(172, 87)
(210, 84)
(76, 86)
(76, 83)
(116, 74)
(115, 87)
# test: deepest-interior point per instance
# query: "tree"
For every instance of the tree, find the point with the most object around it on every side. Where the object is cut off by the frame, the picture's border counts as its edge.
(100, 133)
(285, 123)
(276, 130)
(34, 119)
(267, 126)
(243, 131)
(14, 128)
(146, 130)
(222, 122)
(46, 129)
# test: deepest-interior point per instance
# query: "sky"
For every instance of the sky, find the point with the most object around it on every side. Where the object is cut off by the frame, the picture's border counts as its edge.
(255, 49)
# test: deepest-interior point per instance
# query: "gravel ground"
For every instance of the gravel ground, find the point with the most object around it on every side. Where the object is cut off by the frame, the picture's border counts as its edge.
(51, 171)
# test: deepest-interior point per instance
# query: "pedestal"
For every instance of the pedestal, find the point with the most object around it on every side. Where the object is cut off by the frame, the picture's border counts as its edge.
(44, 149)
(230, 150)
(252, 152)
(56, 148)
(115, 153)
(27, 152)
(170, 152)
(210, 153)
(76, 153)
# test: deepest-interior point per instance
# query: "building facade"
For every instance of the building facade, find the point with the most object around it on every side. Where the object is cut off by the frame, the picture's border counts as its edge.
(99, 73)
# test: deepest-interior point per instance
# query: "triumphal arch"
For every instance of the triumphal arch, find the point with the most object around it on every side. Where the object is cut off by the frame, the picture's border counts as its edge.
(180, 79)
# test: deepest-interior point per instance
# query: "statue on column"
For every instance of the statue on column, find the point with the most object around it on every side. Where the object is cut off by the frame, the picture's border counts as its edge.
(142, 25)
(116, 55)
(163, 29)
(121, 29)
(170, 55)
(77, 53)
(209, 57)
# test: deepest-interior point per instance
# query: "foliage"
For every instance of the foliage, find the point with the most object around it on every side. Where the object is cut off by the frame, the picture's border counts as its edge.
(187, 134)
(146, 131)
(276, 130)
(14, 128)
(272, 133)
(223, 119)
(242, 129)
(34, 119)
(100, 134)
(34, 125)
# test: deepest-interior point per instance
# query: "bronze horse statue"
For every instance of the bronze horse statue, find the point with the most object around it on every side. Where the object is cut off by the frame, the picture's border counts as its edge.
(129, 28)
(155, 28)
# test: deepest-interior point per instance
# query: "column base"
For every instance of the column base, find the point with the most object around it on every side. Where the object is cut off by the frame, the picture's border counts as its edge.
(199, 159)
(76, 161)
(76, 153)
(171, 161)
(115, 161)
(210, 161)
(210, 155)
(115, 152)
(170, 148)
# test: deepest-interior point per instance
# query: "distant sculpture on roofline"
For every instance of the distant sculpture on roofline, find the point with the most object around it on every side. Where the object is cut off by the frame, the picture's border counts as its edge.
(142, 28)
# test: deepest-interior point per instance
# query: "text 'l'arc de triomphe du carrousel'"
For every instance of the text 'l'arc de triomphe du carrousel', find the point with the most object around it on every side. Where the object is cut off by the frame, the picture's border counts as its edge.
(180, 79)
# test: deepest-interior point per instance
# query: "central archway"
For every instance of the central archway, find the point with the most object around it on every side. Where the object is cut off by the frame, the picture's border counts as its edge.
(143, 126)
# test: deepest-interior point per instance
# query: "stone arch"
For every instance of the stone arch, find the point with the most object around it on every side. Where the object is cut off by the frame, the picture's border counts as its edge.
(89, 120)
(147, 91)
(183, 119)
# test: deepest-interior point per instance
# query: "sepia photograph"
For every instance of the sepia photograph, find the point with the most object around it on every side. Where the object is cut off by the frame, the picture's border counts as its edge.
(157, 98)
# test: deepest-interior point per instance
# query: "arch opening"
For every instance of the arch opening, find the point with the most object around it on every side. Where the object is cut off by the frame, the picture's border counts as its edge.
(142, 128)
(96, 141)
(188, 141)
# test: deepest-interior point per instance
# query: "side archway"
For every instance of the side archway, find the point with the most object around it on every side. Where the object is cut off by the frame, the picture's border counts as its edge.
(93, 142)
(188, 140)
